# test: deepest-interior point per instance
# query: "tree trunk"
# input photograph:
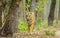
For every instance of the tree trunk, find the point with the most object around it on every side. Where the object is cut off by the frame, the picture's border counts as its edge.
(59, 10)
(11, 19)
(51, 15)
(1, 9)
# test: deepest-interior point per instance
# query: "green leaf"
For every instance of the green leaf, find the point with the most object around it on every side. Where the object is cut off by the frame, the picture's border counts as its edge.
(29, 0)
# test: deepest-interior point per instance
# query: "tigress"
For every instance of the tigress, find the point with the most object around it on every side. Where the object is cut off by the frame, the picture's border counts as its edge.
(30, 18)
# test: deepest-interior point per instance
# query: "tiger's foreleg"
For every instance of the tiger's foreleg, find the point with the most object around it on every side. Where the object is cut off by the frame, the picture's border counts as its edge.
(31, 28)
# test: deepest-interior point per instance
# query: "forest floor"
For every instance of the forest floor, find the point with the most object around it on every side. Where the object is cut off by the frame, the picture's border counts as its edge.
(36, 34)
(39, 34)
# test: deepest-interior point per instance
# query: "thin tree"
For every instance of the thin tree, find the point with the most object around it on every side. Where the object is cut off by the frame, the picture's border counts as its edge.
(1, 9)
(51, 15)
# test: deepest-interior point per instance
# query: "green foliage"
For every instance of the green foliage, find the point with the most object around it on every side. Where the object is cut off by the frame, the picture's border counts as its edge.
(59, 3)
(37, 8)
(29, 1)
(40, 24)
(28, 4)
(22, 26)
(50, 32)
(39, 20)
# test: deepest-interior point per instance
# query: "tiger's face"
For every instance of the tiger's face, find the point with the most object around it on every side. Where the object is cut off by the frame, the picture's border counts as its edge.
(30, 17)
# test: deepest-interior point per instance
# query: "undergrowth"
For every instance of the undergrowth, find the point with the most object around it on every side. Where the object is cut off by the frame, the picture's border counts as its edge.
(50, 32)
(23, 26)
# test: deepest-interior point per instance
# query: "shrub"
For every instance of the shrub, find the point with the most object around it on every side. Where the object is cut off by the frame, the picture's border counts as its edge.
(22, 26)
(50, 32)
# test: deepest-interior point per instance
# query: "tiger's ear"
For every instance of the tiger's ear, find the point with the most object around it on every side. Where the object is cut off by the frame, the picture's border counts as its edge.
(26, 13)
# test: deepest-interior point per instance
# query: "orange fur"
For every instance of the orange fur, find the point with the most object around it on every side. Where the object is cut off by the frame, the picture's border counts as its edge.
(30, 17)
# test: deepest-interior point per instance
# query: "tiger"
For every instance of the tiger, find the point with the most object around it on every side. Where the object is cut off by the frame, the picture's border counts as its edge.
(30, 18)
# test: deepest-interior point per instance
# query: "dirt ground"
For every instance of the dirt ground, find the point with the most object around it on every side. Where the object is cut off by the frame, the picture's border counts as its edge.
(36, 34)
